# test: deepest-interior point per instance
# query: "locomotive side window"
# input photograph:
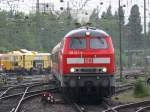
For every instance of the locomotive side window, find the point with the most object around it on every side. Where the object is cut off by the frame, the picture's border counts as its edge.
(98, 43)
(77, 43)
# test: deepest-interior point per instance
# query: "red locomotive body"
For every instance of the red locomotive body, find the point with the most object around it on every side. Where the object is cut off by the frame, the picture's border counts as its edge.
(85, 59)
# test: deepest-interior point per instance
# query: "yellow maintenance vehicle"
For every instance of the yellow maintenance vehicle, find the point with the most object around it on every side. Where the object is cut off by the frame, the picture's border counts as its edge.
(24, 61)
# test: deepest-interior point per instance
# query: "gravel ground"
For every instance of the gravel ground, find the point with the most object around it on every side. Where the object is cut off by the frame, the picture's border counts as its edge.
(40, 87)
(38, 106)
(1, 91)
(7, 105)
(35, 105)
(16, 91)
(94, 108)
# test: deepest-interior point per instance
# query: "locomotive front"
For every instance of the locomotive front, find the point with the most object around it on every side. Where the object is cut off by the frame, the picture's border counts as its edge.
(87, 61)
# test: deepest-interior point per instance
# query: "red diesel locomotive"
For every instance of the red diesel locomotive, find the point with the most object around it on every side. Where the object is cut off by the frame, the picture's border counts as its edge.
(84, 60)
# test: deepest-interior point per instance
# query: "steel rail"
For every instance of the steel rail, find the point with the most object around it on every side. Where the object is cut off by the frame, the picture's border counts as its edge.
(16, 86)
(5, 92)
(37, 91)
(21, 95)
(27, 84)
(129, 105)
(78, 108)
(75, 105)
(23, 98)
(24, 85)
(17, 108)
(31, 96)
(143, 109)
(18, 103)
(107, 105)
(123, 89)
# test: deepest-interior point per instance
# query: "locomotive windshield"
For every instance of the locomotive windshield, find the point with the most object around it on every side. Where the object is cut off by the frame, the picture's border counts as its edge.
(78, 43)
(98, 43)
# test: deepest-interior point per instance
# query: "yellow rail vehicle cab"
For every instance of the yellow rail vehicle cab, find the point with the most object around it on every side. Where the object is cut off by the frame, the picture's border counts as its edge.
(24, 61)
(16, 59)
(10, 61)
(28, 61)
(42, 60)
(6, 62)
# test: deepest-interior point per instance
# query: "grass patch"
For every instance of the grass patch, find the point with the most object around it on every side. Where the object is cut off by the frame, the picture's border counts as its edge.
(140, 89)
(128, 96)
(141, 92)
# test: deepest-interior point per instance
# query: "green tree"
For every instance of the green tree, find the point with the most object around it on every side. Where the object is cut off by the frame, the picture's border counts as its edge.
(121, 16)
(108, 14)
(148, 35)
(135, 29)
(94, 18)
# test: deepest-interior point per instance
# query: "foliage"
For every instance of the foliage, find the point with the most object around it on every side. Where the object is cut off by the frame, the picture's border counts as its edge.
(121, 16)
(135, 29)
(3, 49)
(140, 89)
(124, 58)
(109, 13)
(148, 36)
(26, 31)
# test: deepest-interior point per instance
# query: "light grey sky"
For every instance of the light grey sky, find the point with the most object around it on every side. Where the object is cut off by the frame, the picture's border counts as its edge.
(27, 5)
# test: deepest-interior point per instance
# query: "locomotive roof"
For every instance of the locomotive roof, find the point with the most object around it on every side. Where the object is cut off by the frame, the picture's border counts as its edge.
(80, 32)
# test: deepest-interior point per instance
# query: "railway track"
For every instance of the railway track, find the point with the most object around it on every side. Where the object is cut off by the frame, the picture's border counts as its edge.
(60, 107)
(12, 102)
(66, 107)
(14, 90)
(6, 91)
(144, 109)
(123, 88)
(143, 106)
(93, 107)
(8, 104)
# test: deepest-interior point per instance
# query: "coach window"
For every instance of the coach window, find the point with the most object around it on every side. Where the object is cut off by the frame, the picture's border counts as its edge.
(98, 43)
(77, 43)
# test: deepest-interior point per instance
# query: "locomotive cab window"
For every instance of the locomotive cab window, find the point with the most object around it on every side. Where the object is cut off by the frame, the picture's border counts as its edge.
(77, 43)
(98, 43)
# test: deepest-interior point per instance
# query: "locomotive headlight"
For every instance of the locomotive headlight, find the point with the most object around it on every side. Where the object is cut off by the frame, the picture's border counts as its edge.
(104, 69)
(87, 33)
(72, 70)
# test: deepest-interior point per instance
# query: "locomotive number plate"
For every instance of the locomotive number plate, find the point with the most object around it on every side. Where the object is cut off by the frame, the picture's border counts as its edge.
(88, 60)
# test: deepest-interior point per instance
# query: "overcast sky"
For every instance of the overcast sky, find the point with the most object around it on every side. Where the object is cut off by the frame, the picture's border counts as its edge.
(27, 5)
